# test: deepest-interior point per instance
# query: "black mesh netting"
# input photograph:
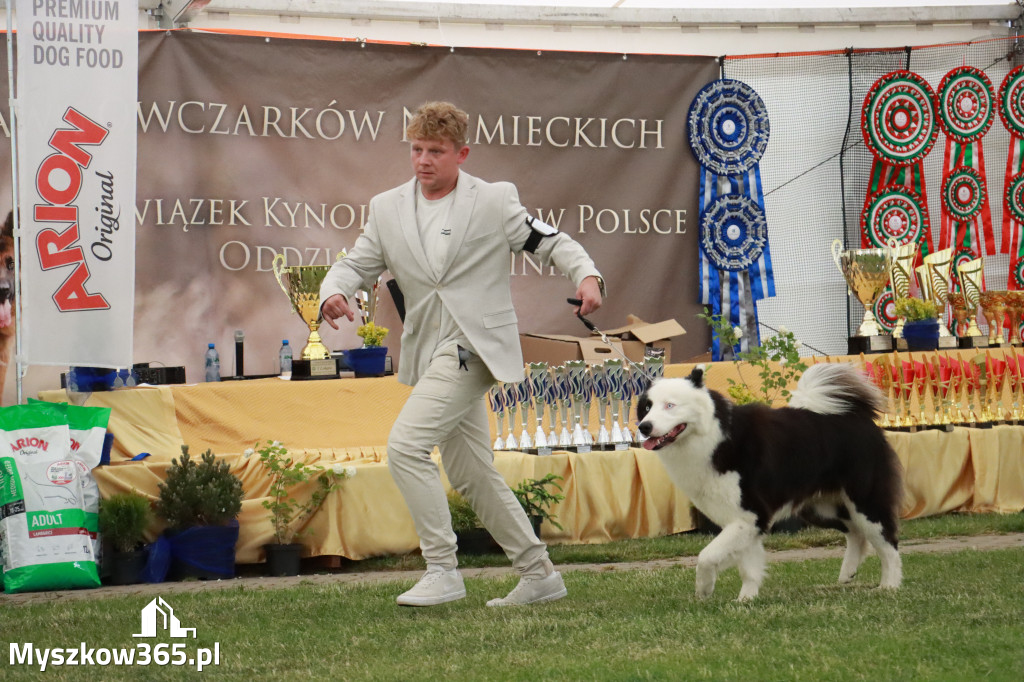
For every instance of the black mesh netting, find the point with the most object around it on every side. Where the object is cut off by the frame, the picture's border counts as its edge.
(816, 169)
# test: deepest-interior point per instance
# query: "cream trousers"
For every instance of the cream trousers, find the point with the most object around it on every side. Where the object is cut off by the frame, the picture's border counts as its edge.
(447, 409)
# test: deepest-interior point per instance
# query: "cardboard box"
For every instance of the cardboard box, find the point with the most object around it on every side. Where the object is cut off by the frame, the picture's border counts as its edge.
(633, 339)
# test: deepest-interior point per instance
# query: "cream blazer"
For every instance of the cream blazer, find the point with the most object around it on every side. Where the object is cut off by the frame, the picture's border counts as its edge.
(488, 222)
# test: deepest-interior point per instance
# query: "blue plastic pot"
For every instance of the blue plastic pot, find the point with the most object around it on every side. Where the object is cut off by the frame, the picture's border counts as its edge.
(921, 335)
(367, 362)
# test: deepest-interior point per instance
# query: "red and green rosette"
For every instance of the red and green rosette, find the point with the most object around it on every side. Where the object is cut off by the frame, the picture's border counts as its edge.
(1011, 111)
(885, 311)
(894, 214)
(966, 104)
(964, 197)
(899, 126)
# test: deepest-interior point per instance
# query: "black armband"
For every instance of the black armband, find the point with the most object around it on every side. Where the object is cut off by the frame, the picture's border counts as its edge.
(538, 230)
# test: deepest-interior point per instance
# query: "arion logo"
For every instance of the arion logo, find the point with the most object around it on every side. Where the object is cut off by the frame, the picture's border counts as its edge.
(58, 183)
(158, 615)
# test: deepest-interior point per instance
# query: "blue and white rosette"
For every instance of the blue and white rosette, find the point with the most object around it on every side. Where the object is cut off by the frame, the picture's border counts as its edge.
(729, 129)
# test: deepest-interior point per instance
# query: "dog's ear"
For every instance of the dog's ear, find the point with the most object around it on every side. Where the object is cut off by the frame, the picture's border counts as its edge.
(8, 229)
(697, 376)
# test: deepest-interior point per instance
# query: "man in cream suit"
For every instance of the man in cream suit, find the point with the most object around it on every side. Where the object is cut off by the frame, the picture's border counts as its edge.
(446, 236)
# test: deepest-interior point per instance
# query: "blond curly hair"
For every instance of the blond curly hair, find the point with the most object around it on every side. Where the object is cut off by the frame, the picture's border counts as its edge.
(439, 121)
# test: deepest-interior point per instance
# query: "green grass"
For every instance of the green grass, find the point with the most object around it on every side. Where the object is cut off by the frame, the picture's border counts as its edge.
(690, 544)
(957, 617)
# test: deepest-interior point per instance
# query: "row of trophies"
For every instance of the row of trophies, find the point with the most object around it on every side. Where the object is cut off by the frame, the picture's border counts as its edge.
(567, 392)
(869, 271)
(960, 392)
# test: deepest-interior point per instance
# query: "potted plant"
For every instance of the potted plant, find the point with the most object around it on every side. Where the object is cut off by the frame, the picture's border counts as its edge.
(921, 329)
(370, 359)
(535, 499)
(776, 361)
(533, 496)
(200, 501)
(123, 519)
(286, 512)
(472, 538)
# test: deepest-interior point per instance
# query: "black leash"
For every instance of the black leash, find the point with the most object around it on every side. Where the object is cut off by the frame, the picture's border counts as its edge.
(604, 337)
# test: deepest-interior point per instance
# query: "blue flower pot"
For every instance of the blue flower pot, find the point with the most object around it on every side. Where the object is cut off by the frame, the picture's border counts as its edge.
(204, 552)
(921, 335)
(367, 362)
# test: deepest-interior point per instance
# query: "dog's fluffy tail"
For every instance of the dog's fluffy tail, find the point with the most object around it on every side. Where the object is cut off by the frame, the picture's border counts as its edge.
(838, 388)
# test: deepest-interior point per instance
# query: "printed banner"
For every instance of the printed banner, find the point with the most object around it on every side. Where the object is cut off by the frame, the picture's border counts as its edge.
(250, 147)
(76, 87)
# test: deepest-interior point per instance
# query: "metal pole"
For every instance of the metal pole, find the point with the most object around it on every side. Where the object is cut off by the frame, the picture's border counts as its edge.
(13, 104)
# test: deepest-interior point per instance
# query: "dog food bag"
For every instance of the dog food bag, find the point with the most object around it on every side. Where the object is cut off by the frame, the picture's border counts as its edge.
(46, 543)
(88, 427)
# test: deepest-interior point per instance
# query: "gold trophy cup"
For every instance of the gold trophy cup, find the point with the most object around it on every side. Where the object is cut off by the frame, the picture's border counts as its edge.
(301, 283)
(866, 272)
(900, 269)
(1015, 307)
(934, 279)
(993, 305)
(959, 305)
(971, 276)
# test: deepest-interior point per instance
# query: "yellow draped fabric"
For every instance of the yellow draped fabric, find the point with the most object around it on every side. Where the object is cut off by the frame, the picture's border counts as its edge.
(608, 495)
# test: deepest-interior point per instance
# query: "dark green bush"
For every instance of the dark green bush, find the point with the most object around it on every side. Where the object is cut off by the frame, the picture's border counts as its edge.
(124, 518)
(203, 493)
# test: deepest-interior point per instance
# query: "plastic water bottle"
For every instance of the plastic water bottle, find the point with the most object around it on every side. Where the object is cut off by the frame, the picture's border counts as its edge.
(212, 364)
(285, 357)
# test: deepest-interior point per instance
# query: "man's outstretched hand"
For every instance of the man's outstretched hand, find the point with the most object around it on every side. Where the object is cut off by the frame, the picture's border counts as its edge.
(589, 293)
(336, 306)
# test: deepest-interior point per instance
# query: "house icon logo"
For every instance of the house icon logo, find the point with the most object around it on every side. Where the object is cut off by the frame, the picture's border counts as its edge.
(158, 614)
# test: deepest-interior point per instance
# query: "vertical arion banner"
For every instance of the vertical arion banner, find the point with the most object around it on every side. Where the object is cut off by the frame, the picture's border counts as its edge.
(77, 86)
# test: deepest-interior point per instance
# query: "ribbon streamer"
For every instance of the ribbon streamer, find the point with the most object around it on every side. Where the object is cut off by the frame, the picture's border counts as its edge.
(1011, 111)
(965, 101)
(898, 124)
(728, 132)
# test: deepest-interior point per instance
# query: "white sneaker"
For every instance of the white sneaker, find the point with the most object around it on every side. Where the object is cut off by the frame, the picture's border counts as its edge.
(533, 591)
(437, 586)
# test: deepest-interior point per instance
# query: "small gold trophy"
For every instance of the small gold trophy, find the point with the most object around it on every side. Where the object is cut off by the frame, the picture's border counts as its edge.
(883, 379)
(938, 371)
(957, 384)
(921, 382)
(1015, 307)
(900, 269)
(971, 381)
(933, 276)
(959, 305)
(971, 284)
(866, 272)
(997, 378)
(904, 371)
(983, 386)
(1013, 378)
(301, 283)
(993, 305)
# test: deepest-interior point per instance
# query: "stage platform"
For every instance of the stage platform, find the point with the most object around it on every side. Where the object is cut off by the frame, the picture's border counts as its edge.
(608, 495)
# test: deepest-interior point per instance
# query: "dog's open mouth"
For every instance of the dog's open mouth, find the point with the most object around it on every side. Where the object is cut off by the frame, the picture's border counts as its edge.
(662, 441)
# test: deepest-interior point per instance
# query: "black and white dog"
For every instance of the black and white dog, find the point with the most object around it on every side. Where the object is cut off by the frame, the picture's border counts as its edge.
(823, 458)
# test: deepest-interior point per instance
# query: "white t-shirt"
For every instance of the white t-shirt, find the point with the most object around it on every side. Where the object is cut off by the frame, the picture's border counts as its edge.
(433, 218)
